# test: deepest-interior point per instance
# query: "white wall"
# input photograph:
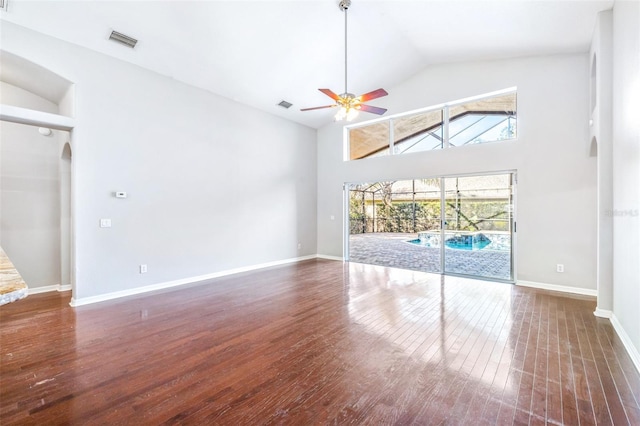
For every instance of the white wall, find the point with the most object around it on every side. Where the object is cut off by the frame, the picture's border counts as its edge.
(626, 169)
(30, 197)
(601, 91)
(556, 175)
(213, 185)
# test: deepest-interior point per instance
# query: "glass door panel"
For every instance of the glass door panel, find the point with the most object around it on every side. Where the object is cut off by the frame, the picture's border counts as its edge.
(478, 226)
(427, 202)
(396, 223)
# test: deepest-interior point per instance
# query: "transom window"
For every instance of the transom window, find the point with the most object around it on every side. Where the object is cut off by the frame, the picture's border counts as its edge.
(485, 118)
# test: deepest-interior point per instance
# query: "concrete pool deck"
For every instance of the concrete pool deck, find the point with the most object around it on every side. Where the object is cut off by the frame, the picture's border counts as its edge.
(390, 249)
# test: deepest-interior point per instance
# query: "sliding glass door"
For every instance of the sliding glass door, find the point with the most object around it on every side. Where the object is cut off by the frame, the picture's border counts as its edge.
(455, 225)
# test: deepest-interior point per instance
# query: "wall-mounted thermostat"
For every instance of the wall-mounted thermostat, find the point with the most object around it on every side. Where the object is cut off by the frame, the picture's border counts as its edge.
(121, 194)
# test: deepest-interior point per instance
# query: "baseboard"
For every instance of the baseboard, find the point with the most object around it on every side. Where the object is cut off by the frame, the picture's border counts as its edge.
(324, 256)
(43, 289)
(626, 341)
(560, 288)
(603, 313)
(160, 286)
(48, 288)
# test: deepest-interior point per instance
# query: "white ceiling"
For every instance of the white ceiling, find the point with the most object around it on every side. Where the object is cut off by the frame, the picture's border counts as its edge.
(261, 52)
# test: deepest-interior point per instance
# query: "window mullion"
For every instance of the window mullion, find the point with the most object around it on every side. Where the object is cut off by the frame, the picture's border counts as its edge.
(445, 127)
(391, 145)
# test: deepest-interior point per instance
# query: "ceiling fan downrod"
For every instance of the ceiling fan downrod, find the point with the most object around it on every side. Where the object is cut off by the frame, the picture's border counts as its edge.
(344, 6)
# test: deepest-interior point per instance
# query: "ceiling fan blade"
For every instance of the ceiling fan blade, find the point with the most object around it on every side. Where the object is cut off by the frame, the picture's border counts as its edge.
(330, 94)
(372, 109)
(320, 107)
(372, 95)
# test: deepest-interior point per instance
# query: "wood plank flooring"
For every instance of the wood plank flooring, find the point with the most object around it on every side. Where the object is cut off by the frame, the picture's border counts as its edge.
(317, 342)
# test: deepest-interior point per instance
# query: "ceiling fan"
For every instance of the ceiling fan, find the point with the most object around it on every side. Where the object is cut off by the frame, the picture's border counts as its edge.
(349, 103)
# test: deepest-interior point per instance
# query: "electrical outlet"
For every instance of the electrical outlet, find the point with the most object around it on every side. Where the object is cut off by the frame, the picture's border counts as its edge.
(105, 223)
(299, 246)
(143, 269)
(559, 267)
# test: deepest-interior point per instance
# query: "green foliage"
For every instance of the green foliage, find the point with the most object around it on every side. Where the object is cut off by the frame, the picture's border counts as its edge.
(406, 217)
(403, 217)
(357, 215)
(474, 215)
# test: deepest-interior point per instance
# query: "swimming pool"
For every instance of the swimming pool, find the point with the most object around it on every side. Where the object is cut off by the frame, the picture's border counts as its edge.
(467, 241)
(464, 241)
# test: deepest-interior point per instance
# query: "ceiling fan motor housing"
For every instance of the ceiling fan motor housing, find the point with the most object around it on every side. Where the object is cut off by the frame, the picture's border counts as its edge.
(347, 100)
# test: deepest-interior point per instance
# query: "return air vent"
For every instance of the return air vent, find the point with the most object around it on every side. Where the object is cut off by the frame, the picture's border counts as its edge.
(122, 39)
(3, 4)
(285, 104)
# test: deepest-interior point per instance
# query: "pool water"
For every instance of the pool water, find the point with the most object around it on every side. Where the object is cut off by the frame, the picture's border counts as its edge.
(423, 243)
(467, 246)
(459, 242)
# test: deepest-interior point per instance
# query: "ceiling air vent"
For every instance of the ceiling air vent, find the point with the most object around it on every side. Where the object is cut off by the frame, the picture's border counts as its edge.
(120, 38)
(285, 104)
(3, 4)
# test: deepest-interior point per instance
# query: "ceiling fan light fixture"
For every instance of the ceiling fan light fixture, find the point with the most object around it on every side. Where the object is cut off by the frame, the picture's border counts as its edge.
(346, 113)
(349, 106)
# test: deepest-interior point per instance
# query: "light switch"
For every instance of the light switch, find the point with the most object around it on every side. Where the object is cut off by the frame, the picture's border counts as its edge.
(121, 194)
(105, 223)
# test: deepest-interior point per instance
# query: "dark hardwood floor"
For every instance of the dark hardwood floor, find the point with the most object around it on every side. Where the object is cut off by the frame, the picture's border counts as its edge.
(318, 342)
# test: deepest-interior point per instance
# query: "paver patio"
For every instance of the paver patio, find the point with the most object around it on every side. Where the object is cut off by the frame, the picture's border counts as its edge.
(394, 250)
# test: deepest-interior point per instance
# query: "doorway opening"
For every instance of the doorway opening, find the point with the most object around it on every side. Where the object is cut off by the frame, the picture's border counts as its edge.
(459, 225)
(36, 122)
(36, 231)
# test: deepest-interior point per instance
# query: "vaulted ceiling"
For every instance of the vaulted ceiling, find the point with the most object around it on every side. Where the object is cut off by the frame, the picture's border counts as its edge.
(261, 52)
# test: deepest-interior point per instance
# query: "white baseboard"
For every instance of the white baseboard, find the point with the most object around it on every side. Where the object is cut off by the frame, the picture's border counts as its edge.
(159, 286)
(560, 288)
(43, 289)
(603, 313)
(324, 256)
(626, 341)
(48, 288)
